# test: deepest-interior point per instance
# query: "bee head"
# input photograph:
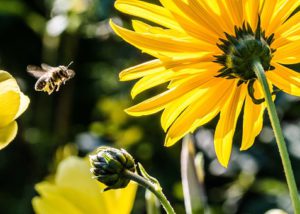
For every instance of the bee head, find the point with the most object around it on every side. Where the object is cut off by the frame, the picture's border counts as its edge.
(66, 72)
(71, 73)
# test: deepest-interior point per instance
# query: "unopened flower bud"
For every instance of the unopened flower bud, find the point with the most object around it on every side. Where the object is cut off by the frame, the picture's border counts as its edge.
(108, 165)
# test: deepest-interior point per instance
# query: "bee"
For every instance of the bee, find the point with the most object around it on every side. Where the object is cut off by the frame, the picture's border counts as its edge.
(50, 78)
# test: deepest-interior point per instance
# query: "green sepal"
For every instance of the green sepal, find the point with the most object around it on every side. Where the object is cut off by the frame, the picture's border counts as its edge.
(144, 174)
(251, 93)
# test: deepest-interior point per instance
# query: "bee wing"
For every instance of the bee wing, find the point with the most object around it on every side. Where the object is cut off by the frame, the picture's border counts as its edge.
(35, 71)
(46, 67)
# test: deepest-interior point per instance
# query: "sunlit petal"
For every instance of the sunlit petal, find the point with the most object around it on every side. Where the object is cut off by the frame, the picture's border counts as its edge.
(253, 118)
(202, 110)
(285, 79)
(10, 102)
(7, 134)
(226, 125)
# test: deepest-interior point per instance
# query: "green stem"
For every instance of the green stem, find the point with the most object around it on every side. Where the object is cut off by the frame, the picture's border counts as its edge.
(260, 73)
(156, 191)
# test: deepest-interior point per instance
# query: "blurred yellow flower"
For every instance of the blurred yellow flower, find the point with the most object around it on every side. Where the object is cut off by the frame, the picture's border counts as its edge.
(205, 52)
(12, 104)
(74, 191)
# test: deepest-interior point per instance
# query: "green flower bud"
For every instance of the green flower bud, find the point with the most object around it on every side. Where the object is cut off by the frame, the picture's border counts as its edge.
(108, 165)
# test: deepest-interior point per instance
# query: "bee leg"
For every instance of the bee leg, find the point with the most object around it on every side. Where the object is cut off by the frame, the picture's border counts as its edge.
(57, 88)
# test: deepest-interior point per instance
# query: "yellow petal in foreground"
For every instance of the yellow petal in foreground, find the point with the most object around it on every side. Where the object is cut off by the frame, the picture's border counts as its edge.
(281, 13)
(293, 56)
(253, 119)
(7, 82)
(75, 191)
(9, 106)
(24, 103)
(149, 11)
(227, 123)
(141, 70)
(77, 200)
(54, 203)
(196, 114)
(160, 43)
(285, 79)
(158, 102)
(7, 134)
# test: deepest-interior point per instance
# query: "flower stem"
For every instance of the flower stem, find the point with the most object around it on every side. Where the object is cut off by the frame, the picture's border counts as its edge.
(260, 73)
(152, 187)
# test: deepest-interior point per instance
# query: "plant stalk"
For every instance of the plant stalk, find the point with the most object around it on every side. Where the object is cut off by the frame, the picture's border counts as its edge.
(260, 73)
(150, 186)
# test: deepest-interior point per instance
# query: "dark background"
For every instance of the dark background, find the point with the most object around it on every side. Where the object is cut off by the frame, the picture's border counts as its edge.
(88, 112)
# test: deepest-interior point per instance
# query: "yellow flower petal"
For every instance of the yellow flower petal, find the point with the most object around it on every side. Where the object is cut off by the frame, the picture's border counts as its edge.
(4, 76)
(153, 80)
(288, 54)
(285, 79)
(148, 11)
(198, 14)
(157, 66)
(158, 102)
(223, 12)
(267, 12)
(191, 27)
(195, 30)
(9, 106)
(53, 204)
(141, 70)
(142, 27)
(160, 43)
(74, 173)
(172, 74)
(124, 198)
(7, 134)
(253, 118)
(282, 11)
(227, 123)
(236, 9)
(288, 32)
(24, 102)
(251, 9)
(7, 82)
(79, 199)
(211, 98)
(211, 10)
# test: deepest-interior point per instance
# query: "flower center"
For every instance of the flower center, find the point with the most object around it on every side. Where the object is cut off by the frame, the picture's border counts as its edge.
(241, 50)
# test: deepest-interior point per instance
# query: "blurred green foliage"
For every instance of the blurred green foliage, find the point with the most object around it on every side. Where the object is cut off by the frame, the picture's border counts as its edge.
(88, 112)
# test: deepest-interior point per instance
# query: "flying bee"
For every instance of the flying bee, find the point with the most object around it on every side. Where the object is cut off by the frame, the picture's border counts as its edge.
(50, 78)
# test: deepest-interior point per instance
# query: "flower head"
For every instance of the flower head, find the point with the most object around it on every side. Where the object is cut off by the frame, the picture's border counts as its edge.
(74, 191)
(12, 104)
(108, 165)
(205, 50)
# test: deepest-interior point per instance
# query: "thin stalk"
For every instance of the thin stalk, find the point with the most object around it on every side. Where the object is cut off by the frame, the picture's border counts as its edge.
(150, 186)
(260, 73)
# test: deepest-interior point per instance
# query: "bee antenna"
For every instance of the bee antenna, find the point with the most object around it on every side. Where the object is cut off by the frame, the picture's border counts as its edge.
(70, 64)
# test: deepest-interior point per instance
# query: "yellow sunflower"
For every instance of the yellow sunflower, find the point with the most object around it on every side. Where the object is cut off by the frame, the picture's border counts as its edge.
(205, 50)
